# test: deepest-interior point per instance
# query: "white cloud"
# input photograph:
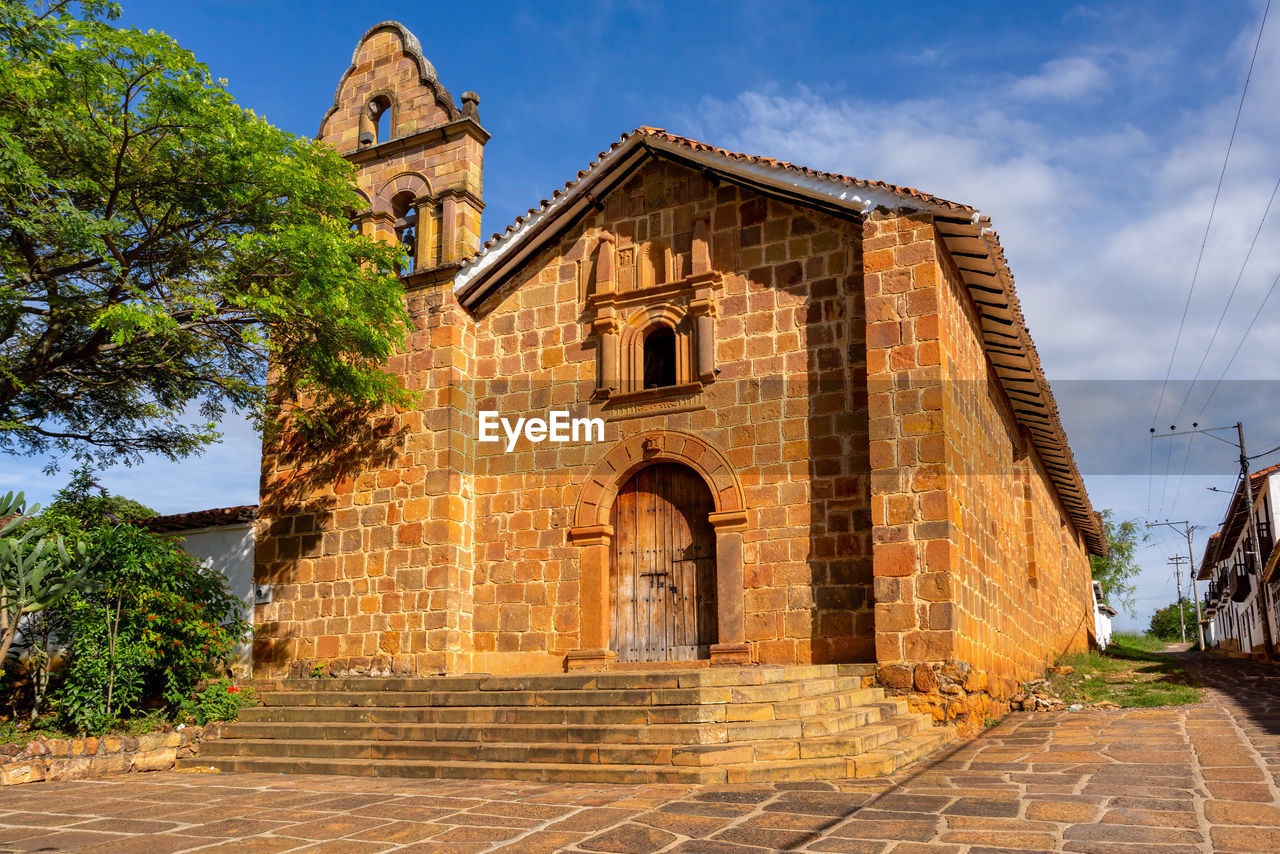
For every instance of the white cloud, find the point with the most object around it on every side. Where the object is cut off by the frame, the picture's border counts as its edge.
(1065, 79)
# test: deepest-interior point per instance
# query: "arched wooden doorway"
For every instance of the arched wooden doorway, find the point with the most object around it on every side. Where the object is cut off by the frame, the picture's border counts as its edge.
(663, 573)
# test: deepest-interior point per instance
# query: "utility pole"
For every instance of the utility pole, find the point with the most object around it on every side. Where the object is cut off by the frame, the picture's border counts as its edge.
(1263, 595)
(1191, 558)
(1177, 561)
(1254, 546)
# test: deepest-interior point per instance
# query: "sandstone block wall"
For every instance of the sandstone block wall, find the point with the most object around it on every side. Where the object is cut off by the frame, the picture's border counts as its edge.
(981, 579)
(368, 535)
(785, 409)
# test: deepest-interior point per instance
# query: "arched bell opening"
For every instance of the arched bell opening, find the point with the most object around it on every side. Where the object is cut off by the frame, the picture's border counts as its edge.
(376, 122)
(405, 211)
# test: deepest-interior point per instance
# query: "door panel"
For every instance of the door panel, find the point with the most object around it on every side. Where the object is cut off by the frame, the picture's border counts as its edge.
(663, 572)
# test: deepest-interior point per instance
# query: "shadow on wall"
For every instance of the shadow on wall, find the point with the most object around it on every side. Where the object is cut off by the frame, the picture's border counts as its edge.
(841, 605)
(314, 472)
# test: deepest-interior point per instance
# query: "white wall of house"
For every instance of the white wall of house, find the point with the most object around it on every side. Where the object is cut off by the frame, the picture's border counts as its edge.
(1101, 618)
(227, 549)
(1238, 625)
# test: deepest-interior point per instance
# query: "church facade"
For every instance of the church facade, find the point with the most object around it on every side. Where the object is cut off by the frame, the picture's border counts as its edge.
(697, 406)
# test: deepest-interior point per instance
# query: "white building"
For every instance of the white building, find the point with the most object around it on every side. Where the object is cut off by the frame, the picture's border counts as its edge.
(223, 540)
(1235, 605)
(1102, 614)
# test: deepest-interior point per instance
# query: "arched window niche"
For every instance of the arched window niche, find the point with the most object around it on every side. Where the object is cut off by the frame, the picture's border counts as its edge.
(653, 320)
(660, 358)
(657, 348)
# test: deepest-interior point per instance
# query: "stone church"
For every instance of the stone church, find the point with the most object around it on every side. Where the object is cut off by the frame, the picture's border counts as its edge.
(815, 429)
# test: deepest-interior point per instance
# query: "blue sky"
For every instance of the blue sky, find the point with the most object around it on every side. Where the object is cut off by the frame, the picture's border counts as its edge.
(1092, 134)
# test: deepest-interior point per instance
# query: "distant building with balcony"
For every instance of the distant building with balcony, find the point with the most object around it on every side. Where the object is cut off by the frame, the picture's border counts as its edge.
(1243, 583)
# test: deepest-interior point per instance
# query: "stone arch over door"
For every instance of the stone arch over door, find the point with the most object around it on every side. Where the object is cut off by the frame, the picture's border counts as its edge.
(593, 532)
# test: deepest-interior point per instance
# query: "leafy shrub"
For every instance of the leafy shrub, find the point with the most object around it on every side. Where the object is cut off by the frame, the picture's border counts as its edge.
(154, 624)
(221, 700)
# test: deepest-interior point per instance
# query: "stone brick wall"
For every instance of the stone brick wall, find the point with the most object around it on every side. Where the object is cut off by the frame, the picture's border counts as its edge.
(1022, 566)
(368, 536)
(785, 410)
(436, 553)
(57, 759)
(981, 578)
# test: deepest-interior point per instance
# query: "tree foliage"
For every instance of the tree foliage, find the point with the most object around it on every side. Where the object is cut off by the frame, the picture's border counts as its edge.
(1165, 624)
(1119, 566)
(88, 504)
(158, 243)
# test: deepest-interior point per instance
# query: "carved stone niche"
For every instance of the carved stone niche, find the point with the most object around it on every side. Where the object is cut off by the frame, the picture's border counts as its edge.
(656, 334)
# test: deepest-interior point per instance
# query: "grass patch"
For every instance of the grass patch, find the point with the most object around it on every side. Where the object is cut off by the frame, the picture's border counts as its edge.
(21, 732)
(1132, 673)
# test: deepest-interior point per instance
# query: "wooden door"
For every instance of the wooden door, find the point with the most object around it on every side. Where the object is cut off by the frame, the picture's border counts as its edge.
(664, 567)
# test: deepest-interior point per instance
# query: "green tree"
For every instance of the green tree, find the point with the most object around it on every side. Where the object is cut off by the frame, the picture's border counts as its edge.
(87, 503)
(1119, 565)
(159, 243)
(1165, 624)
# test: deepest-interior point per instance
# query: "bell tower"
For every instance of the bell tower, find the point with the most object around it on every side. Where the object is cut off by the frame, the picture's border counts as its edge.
(419, 156)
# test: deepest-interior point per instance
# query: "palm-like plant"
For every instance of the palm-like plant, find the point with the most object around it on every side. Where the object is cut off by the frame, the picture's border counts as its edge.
(37, 568)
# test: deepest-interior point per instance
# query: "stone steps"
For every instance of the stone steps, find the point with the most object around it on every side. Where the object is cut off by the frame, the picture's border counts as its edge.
(381, 697)
(857, 717)
(702, 725)
(606, 680)
(862, 740)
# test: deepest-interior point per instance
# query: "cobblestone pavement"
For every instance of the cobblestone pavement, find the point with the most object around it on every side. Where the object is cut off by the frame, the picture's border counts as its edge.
(1167, 781)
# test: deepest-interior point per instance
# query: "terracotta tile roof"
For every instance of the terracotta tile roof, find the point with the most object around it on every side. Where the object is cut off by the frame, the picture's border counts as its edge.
(1223, 543)
(694, 145)
(974, 245)
(215, 518)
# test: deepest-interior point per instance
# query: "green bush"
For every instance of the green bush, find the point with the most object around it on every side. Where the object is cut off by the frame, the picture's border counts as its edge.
(154, 624)
(148, 625)
(1165, 625)
(218, 701)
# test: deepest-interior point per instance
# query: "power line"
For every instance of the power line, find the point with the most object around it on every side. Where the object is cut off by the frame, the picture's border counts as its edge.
(1213, 338)
(1230, 297)
(1212, 209)
(1240, 345)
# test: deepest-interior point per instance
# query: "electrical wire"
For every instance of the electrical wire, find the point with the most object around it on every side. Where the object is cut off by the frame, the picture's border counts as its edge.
(1204, 241)
(1240, 345)
(1264, 453)
(1230, 297)
(1212, 339)
(1212, 209)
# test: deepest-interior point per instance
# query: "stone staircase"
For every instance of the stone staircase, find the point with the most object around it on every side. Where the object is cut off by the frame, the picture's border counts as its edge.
(695, 725)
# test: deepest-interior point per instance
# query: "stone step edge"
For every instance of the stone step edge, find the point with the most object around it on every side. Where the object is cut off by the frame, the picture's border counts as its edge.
(847, 744)
(693, 678)
(876, 712)
(830, 723)
(565, 697)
